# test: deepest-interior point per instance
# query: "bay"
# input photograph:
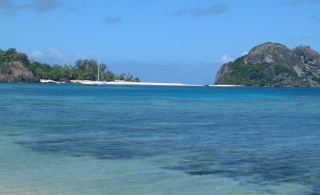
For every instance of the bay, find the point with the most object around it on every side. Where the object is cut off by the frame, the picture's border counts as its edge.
(77, 139)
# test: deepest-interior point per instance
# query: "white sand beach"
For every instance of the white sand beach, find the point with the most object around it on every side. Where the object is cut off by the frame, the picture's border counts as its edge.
(47, 81)
(118, 82)
(146, 83)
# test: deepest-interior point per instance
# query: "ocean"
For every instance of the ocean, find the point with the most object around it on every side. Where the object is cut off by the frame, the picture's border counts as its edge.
(79, 139)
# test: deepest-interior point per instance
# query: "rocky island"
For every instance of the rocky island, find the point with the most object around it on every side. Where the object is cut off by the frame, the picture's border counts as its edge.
(273, 65)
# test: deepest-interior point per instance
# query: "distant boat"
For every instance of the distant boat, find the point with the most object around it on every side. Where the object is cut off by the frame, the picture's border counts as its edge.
(98, 80)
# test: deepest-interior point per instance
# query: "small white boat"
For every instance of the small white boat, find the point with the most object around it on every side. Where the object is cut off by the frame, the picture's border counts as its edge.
(98, 80)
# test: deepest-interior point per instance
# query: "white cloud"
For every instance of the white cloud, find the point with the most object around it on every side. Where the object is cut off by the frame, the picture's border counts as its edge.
(244, 53)
(224, 59)
(36, 54)
(53, 56)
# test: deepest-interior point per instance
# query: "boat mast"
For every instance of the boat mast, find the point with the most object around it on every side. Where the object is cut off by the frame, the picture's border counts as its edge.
(98, 70)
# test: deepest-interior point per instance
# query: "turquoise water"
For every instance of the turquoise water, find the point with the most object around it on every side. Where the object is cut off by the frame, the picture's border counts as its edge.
(77, 139)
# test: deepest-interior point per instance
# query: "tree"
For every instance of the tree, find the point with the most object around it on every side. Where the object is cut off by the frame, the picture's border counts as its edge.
(103, 67)
(129, 77)
(121, 76)
(83, 69)
(136, 79)
(79, 63)
(11, 51)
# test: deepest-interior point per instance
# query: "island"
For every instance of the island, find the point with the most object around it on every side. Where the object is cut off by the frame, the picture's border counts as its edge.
(16, 67)
(273, 65)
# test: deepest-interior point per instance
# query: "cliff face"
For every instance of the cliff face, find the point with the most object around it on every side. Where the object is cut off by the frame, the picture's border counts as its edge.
(18, 73)
(272, 64)
(13, 70)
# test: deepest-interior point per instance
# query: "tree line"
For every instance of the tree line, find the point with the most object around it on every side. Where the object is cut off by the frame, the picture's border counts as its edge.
(81, 70)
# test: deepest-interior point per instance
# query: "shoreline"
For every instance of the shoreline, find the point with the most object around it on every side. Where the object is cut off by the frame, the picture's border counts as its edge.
(86, 82)
(118, 82)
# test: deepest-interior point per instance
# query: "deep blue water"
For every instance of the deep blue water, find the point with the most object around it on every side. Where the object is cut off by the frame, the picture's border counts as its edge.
(261, 140)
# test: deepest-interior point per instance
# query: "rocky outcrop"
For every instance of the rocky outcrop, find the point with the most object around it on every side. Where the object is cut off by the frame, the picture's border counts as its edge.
(14, 71)
(18, 73)
(223, 72)
(271, 53)
(21, 57)
(273, 64)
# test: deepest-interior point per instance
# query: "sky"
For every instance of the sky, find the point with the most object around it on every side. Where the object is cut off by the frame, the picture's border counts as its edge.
(181, 41)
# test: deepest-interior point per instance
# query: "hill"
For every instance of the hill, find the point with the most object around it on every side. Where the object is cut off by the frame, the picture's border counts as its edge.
(12, 67)
(274, 65)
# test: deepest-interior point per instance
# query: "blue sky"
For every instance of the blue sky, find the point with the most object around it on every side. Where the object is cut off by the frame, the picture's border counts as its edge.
(183, 41)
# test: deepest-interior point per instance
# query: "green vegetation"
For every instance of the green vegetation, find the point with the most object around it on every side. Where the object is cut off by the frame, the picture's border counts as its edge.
(262, 74)
(82, 70)
(6, 59)
(7, 56)
(5, 68)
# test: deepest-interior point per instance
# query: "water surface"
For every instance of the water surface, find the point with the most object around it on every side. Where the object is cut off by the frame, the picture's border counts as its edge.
(77, 139)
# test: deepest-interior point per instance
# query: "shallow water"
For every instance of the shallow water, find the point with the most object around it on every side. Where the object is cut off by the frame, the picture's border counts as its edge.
(76, 139)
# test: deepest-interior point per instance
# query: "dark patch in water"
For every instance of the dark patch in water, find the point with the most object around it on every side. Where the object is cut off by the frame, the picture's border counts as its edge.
(210, 172)
(12, 134)
(111, 150)
(257, 170)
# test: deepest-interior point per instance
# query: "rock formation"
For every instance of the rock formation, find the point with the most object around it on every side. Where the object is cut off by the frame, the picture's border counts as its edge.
(14, 71)
(18, 73)
(272, 64)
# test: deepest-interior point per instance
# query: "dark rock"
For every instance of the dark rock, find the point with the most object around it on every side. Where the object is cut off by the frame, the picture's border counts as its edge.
(64, 80)
(278, 65)
(270, 53)
(307, 57)
(21, 57)
(223, 72)
(18, 73)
